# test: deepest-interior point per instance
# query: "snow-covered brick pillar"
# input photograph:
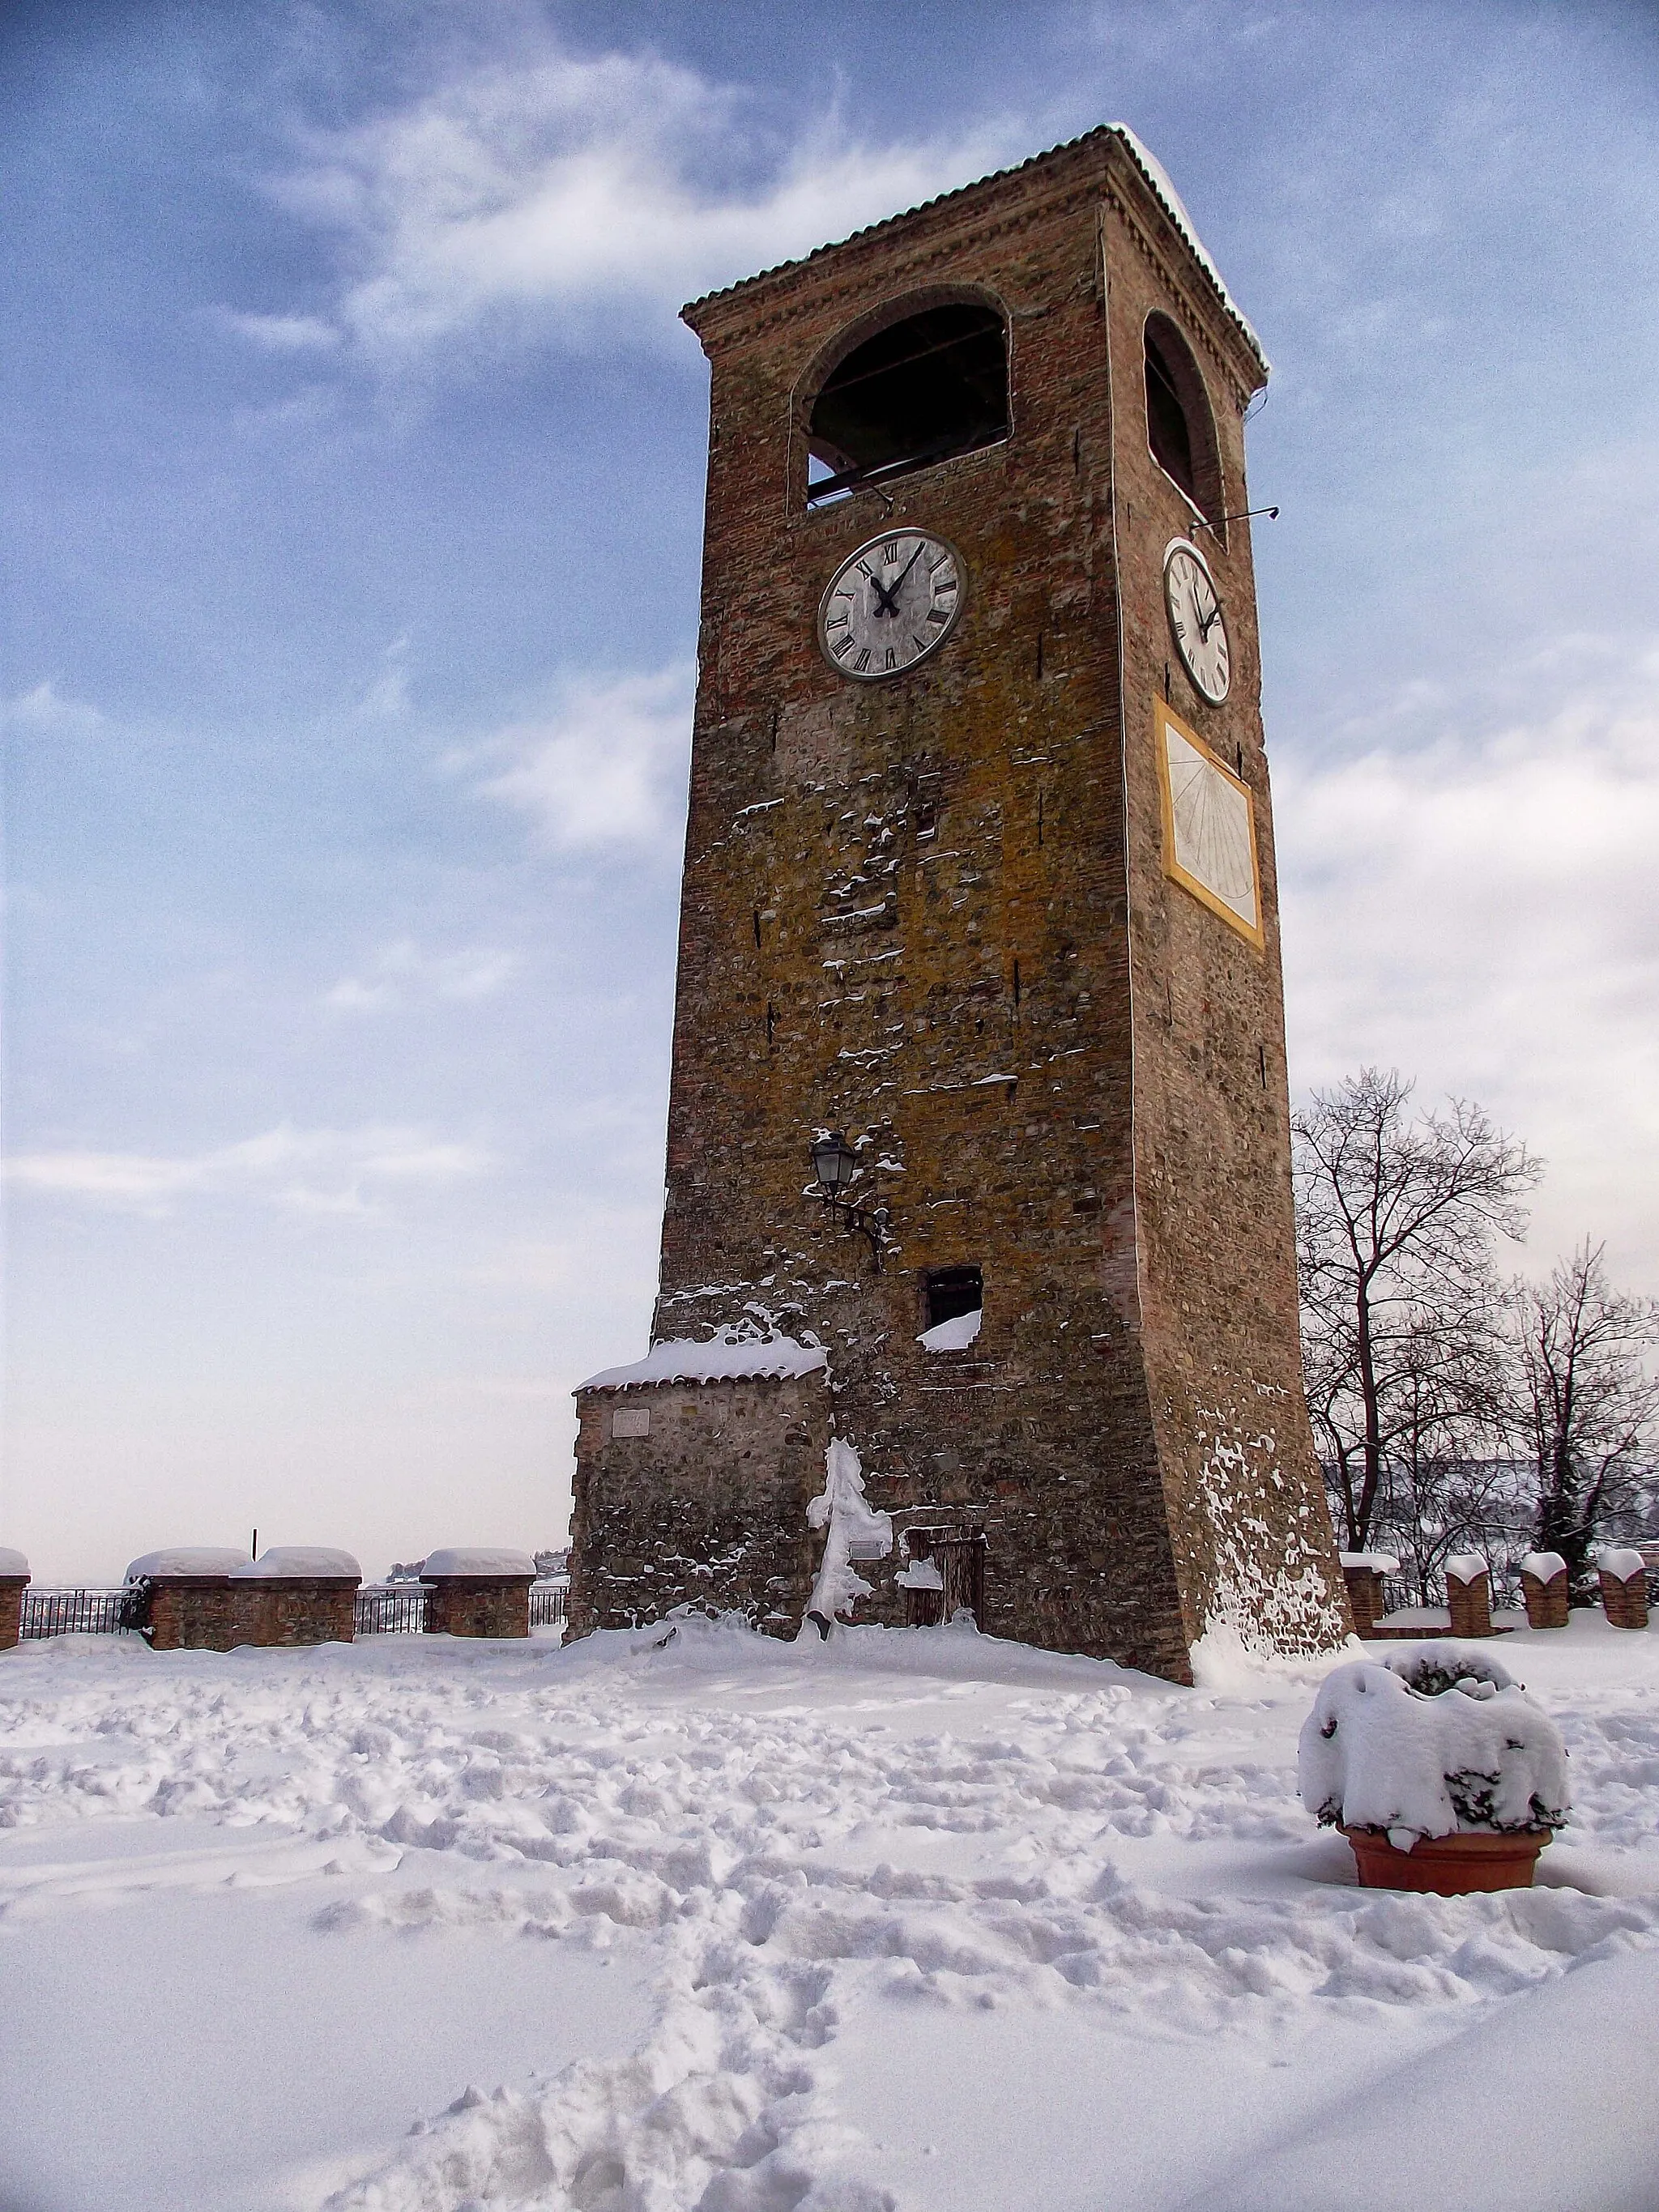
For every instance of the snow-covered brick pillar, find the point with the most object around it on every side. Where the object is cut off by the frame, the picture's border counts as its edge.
(1363, 1573)
(478, 1593)
(13, 1581)
(854, 1532)
(1544, 1588)
(1624, 1577)
(1468, 1594)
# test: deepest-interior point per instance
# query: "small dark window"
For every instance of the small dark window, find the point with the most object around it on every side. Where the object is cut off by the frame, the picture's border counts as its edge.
(1167, 433)
(953, 1291)
(930, 385)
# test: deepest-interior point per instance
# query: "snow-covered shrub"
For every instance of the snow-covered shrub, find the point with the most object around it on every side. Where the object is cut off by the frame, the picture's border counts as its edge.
(1432, 1669)
(1476, 1754)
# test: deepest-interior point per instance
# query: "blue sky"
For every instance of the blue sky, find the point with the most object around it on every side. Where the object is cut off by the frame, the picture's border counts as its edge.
(354, 459)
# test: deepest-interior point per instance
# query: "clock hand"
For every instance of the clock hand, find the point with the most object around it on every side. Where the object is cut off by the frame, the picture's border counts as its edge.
(1210, 621)
(906, 569)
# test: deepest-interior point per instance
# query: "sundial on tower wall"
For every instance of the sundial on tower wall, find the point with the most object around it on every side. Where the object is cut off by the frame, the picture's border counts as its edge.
(979, 881)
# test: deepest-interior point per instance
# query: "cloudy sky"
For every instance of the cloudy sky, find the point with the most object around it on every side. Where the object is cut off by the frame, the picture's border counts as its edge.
(353, 456)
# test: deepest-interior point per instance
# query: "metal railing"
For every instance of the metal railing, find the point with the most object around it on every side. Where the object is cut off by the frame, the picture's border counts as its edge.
(391, 1609)
(381, 1609)
(80, 1612)
(548, 1604)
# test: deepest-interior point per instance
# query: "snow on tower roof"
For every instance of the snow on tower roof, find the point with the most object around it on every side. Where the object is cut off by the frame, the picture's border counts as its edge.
(724, 1358)
(1145, 160)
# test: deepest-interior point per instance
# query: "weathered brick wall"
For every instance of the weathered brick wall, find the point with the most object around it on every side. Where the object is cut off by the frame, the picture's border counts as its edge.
(11, 1609)
(708, 1509)
(478, 1605)
(196, 1612)
(277, 1610)
(911, 911)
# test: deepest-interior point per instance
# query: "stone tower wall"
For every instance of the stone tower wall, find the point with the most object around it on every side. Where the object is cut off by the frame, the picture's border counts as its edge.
(933, 913)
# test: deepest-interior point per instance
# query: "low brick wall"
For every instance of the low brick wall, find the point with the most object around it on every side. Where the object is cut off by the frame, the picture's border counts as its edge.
(11, 1609)
(193, 1612)
(1625, 1601)
(279, 1610)
(1546, 1602)
(217, 1612)
(477, 1605)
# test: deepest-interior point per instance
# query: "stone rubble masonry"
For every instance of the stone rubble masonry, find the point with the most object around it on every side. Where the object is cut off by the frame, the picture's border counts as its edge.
(1546, 1602)
(933, 912)
(11, 1609)
(478, 1605)
(708, 1508)
(1470, 1604)
(217, 1612)
(1624, 1599)
(195, 1612)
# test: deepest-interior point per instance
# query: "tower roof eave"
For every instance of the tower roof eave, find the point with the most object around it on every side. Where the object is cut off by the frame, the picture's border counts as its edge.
(1152, 174)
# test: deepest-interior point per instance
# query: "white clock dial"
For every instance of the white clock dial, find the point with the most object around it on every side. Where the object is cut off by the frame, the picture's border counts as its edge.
(1196, 619)
(890, 604)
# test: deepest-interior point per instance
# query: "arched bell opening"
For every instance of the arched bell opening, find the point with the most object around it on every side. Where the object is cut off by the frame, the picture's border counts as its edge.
(929, 382)
(1180, 423)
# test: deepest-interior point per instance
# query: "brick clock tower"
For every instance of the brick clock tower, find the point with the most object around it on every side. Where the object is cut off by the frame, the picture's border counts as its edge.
(979, 881)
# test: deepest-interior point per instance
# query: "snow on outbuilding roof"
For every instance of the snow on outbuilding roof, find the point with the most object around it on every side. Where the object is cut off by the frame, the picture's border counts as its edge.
(454, 1561)
(187, 1559)
(302, 1563)
(1145, 160)
(723, 1359)
(12, 1563)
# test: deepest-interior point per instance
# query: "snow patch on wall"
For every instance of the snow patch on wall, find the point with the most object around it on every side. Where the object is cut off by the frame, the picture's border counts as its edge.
(1272, 1595)
(854, 1532)
(953, 1336)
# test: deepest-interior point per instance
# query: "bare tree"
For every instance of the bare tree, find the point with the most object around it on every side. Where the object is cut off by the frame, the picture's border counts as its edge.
(1588, 1405)
(1402, 1319)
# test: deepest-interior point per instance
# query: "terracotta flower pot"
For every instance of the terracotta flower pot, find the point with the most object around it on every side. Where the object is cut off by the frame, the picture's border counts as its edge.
(1447, 1866)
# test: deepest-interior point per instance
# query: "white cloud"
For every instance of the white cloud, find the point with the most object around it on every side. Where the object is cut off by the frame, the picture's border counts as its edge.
(400, 972)
(579, 184)
(284, 333)
(44, 713)
(606, 766)
(1484, 912)
(304, 1171)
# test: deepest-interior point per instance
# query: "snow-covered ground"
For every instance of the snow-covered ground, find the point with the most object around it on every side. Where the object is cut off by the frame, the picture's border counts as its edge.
(912, 1919)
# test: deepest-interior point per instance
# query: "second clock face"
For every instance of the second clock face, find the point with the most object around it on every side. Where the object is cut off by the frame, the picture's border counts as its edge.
(1195, 616)
(890, 604)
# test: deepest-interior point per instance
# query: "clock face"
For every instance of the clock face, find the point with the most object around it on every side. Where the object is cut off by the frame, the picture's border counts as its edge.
(890, 604)
(1195, 616)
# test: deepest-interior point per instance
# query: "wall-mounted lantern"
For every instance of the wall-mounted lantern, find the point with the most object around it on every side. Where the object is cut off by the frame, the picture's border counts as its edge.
(834, 1164)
